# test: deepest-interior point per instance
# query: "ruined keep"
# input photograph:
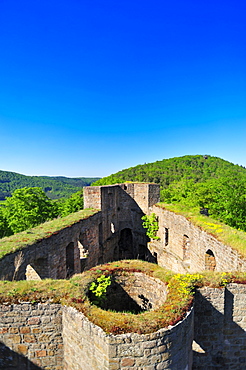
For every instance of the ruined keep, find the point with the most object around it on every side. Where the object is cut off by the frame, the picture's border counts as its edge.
(111, 233)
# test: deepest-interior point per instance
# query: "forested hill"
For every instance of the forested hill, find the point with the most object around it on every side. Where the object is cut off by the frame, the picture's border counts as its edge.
(195, 181)
(54, 187)
(198, 168)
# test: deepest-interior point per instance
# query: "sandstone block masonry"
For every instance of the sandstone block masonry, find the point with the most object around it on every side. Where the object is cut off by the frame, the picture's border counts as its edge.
(115, 233)
(58, 256)
(35, 336)
(86, 346)
(184, 247)
(144, 194)
(31, 336)
(220, 328)
(48, 336)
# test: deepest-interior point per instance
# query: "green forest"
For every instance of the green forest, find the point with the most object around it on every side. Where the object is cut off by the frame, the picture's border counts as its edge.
(29, 207)
(27, 201)
(196, 181)
(54, 187)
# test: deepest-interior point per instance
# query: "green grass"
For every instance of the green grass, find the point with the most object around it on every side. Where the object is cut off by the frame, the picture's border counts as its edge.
(21, 240)
(74, 292)
(224, 233)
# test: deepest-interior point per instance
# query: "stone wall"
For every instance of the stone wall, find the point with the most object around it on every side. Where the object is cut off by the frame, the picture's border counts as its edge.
(184, 247)
(87, 347)
(114, 233)
(121, 233)
(144, 194)
(31, 337)
(220, 328)
(92, 197)
(58, 256)
(148, 292)
(48, 336)
(134, 292)
(122, 230)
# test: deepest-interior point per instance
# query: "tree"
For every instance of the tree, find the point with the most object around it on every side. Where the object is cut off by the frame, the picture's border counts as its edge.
(28, 207)
(72, 204)
(225, 198)
(4, 229)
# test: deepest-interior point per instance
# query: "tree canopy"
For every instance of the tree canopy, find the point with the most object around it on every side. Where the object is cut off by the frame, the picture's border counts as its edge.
(197, 181)
(28, 207)
(72, 204)
(54, 187)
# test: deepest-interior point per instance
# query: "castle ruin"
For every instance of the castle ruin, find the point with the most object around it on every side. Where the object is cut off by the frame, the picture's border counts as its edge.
(216, 325)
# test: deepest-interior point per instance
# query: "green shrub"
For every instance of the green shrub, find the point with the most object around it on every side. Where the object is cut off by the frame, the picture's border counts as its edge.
(99, 289)
(151, 224)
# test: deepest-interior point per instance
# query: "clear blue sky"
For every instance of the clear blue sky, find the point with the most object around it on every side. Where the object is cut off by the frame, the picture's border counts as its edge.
(89, 87)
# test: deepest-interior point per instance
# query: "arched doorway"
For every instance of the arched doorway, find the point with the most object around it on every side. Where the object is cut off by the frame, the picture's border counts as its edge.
(210, 262)
(126, 244)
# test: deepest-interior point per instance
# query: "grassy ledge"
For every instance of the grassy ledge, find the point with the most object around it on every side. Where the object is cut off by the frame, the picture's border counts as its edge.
(74, 292)
(224, 233)
(21, 240)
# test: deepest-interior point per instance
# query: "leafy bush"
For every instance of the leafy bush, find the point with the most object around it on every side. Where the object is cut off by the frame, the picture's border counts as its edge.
(99, 289)
(151, 224)
(26, 208)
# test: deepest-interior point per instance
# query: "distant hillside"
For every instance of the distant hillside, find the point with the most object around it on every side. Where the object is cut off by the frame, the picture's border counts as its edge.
(54, 187)
(198, 168)
(210, 184)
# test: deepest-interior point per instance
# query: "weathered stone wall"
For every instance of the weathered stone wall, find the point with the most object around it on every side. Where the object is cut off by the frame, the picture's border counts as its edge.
(220, 328)
(117, 233)
(114, 233)
(122, 206)
(144, 194)
(122, 230)
(31, 337)
(46, 336)
(92, 197)
(164, 349)
(87, 347)
(182, 247)
(50, 258)
(135, 292)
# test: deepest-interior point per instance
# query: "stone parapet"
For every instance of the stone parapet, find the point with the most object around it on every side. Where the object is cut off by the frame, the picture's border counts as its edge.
(86, 346)
(48, 336)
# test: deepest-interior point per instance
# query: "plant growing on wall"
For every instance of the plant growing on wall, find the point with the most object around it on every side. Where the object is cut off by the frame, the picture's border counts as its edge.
(99, 288)
(151, 224)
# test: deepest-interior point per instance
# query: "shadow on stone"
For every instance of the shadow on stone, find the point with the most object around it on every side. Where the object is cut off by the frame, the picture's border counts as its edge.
(10, 360)
(117, 299)
(221, 340)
